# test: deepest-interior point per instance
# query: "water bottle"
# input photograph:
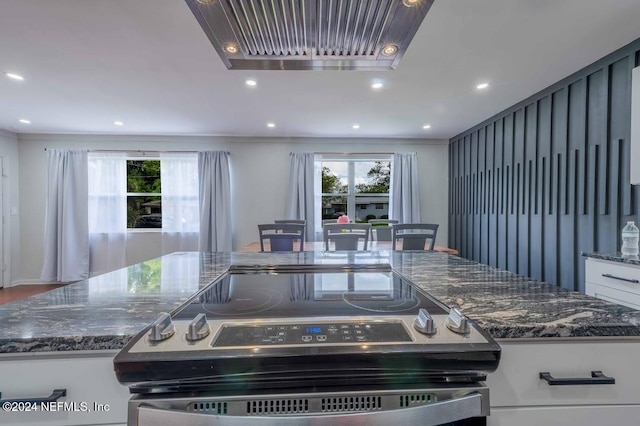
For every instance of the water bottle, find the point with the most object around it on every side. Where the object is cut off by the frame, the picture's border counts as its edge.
(630, 235)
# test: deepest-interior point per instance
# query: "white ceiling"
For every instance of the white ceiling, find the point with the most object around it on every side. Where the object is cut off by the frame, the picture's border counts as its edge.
(147, 63)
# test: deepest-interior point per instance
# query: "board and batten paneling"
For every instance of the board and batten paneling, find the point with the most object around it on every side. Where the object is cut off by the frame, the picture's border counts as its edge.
(534, 186)
(635, 126)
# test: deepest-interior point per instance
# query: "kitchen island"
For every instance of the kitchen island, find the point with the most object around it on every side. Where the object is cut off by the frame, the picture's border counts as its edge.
(104, 312)
(540, 327)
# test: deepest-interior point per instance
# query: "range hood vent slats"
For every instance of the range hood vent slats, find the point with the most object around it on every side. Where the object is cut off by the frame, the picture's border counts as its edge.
(242, 23)
(269, 28)
(309, 34)
(344, 30)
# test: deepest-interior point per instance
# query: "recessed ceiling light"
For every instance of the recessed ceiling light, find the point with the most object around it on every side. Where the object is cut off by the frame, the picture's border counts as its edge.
(356, 126)
(389, 50)
(207, 2)
(118, 123)
(251, 83)
(377, 85)
(24, 121)
(410, 3)
(231, 48)
(272, 125)
(14, 76)
(426, 126)
(482, 86)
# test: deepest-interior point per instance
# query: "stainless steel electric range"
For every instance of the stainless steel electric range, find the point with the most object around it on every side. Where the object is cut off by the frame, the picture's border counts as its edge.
(309, 345)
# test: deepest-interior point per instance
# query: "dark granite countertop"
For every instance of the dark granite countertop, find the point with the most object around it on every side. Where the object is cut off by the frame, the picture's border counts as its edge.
(613, 257)
(104, 312)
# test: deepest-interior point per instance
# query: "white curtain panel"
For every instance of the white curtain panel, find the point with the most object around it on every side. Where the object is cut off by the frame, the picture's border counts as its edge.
(405, 193)
(66, 238)
(215, 201)
(180, 210)
(301, 196)
(107, 211)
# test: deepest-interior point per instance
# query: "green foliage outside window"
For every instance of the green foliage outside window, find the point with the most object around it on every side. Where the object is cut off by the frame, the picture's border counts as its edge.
(143, 176)
(331, 182)
(381, 179)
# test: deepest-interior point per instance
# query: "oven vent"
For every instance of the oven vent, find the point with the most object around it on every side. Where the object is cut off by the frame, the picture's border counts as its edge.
(351, 403)
(209, 407)
(277, 406)
(416, 399)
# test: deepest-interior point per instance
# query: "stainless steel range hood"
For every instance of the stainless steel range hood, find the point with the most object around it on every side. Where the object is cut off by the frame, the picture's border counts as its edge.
(310, 34)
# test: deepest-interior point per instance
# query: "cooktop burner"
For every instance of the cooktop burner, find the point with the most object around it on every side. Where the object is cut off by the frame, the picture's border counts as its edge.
(260, 300)
(271, 295)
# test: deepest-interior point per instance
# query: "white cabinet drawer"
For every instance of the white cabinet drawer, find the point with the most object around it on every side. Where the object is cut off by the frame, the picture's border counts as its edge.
(613, 281)
(516, 383)
(88, 380)
(565, 416)
(614, 295)
(613, 274)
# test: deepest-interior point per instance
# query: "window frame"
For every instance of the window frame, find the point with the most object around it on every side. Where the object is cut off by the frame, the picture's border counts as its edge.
(133, 157)
(351, 195)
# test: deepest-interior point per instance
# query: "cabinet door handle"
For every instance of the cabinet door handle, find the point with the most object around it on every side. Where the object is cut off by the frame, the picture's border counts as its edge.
(55, 395)
(597, 378)
(621, 279)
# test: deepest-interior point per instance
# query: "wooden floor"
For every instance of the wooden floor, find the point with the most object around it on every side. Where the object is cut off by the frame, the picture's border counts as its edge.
(11, 294)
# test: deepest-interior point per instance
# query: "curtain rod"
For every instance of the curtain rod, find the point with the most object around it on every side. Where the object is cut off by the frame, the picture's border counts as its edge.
(139, 151)
(353, 153)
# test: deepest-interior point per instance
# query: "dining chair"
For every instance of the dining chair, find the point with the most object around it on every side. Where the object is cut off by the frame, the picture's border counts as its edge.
(382, 228)
(414, 236)
(346, 236)
(281, 236)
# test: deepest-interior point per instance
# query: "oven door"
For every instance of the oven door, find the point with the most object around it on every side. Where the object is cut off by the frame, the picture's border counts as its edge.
(466, 405)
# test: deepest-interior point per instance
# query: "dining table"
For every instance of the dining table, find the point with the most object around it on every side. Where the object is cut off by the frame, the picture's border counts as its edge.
(320, 246)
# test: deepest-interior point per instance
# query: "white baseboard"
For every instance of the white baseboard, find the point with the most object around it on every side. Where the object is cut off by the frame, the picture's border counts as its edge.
(34, 281)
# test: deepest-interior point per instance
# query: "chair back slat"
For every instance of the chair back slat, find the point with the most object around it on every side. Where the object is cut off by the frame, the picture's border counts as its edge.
(281, 236)
(414, 236)
(294, 221)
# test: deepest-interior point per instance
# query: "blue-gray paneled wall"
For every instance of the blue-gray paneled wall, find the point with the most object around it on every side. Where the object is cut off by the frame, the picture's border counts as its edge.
(548, 178)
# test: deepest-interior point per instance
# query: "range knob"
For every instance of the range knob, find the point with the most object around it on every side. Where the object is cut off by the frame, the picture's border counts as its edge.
(198, 328)
(457, 322)
(162, 329)
(424, 323)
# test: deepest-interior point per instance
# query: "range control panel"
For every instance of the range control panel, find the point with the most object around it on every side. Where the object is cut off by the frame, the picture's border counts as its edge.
(202, 334)
(310, 333)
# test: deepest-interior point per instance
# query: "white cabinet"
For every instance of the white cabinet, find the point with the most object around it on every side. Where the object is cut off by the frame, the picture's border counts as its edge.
(613, 281)
(635, 127)
(94, 396)
(520, 397)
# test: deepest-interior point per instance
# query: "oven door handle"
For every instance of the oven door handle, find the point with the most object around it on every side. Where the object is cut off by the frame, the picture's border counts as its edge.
(437, 413)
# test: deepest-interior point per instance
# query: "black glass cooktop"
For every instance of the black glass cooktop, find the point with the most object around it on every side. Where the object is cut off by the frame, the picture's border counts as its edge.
(325, 324)
(286, 295)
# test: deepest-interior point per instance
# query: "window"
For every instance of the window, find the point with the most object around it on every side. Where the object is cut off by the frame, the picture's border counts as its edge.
(357, 187)
(144, 189)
